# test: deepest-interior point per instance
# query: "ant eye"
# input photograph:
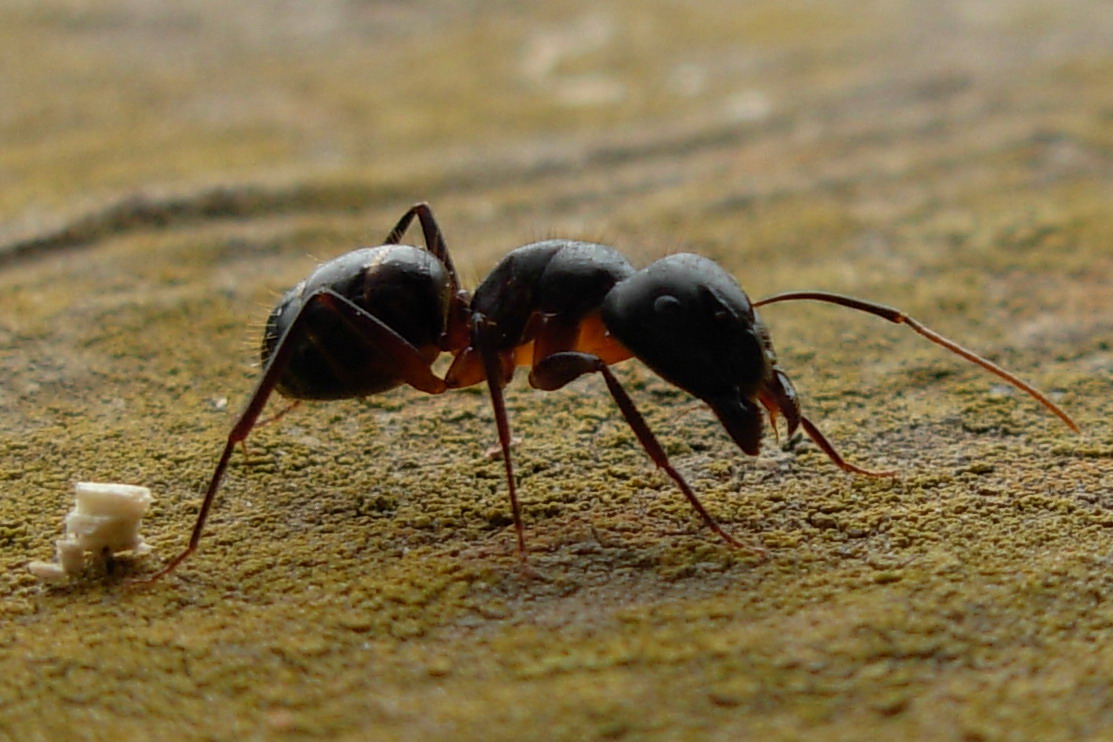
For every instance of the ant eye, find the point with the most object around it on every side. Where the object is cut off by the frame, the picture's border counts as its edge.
(668, 306)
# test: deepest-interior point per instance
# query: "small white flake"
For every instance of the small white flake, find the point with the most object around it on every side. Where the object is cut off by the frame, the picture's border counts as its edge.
(105, 520)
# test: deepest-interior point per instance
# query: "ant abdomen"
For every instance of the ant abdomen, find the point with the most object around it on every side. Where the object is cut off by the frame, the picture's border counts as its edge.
(404, 287)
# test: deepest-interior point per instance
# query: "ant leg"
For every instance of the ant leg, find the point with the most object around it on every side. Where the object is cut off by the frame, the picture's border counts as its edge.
(456, 333)
(272, 419)
(496, 376)
(898, 317)
(560, 369)
(824, 444)
(411, 367)
(434, 238)
(280, 414)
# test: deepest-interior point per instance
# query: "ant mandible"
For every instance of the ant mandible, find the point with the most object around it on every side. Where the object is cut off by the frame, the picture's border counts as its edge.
(376, 318)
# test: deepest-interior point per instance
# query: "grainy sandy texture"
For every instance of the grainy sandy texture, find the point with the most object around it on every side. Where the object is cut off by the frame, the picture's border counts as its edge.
(168, 169)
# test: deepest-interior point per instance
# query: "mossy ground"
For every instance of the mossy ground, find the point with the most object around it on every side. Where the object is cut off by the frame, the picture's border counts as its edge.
(169, 171)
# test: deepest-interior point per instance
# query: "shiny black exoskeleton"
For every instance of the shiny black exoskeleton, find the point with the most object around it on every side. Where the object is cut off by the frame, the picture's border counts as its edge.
(408, 292)
(706, 339)
(566, 309)
(362, 323)
(378, 317)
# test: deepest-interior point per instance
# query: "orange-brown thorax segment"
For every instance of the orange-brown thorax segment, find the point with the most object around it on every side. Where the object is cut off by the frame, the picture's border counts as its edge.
(546, 336)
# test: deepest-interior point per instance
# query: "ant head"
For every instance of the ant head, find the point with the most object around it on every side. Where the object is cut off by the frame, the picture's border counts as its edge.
(689, 321)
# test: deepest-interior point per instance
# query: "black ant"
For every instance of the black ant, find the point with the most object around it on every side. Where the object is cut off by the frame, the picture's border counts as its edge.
(377, 318)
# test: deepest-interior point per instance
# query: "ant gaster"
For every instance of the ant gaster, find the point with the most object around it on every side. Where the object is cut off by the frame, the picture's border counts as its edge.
(376, 318)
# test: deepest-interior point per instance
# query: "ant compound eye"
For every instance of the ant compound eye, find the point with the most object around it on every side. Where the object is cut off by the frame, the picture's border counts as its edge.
(667, 306)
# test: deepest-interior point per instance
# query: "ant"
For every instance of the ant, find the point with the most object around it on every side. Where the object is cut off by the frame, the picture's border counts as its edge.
(376, 318)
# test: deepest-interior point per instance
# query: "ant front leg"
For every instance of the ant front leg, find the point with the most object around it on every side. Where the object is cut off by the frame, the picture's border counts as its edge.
(779, 398)
(829, 449)
(560, 369)
(409, 365)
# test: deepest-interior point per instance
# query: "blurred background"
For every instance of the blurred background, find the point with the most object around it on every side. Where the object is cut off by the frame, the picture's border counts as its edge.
(104, 100)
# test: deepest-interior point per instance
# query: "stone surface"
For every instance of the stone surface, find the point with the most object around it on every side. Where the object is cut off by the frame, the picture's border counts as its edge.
(168, 170)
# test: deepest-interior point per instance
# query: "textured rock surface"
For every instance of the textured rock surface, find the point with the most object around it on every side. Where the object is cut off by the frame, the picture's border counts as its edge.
(168, 170)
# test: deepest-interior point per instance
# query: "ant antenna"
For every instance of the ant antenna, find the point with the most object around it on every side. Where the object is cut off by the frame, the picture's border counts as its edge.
(898, 317)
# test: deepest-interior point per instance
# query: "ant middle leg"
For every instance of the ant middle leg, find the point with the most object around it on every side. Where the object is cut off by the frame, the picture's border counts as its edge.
(495, 368)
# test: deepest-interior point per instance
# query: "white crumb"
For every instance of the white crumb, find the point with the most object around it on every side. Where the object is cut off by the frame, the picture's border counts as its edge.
(105, 520)
(48, 571)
